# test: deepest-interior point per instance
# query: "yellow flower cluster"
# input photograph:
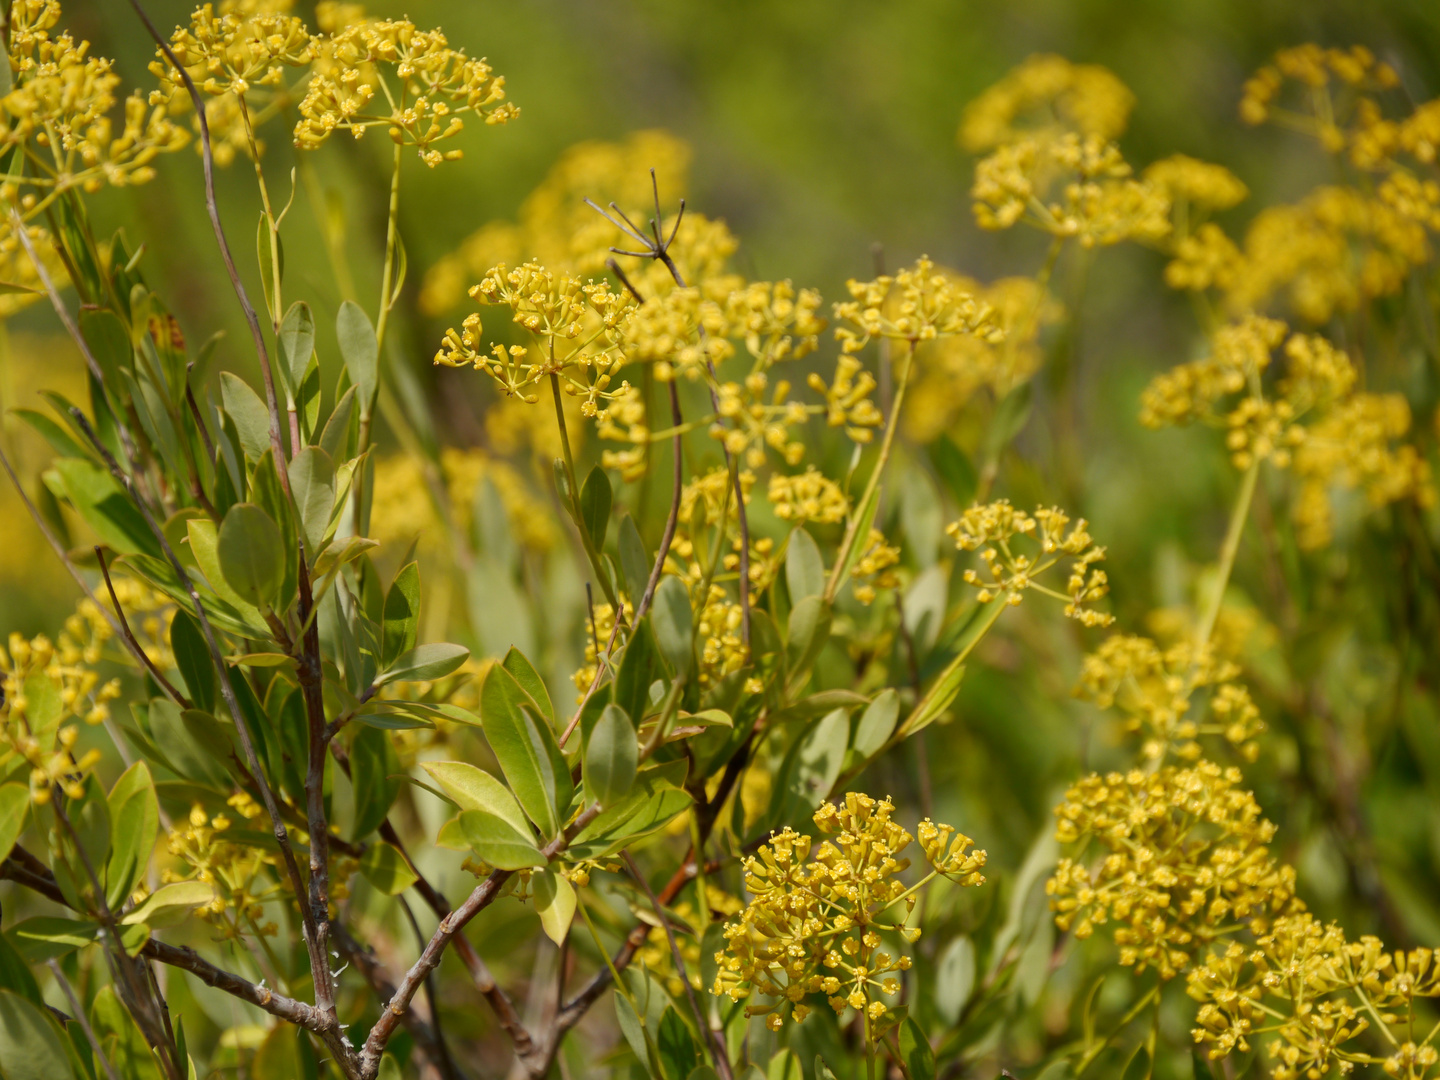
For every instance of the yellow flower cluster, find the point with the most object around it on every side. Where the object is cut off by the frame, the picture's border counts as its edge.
(555, 227)
(41, 686)
(60, 112)
(1100, 203)
(1045, 96)
(952, 369)
(847, 398)
(918, 303)
(386, 73)
(815, 923)
(576, 327)
(1186, 861)
(875, 567)
(1315, 71)
(147, 612)
(1345, 440)
(1152, 687)
(232, 869)
(239, 58)
(1316, 991)
(806, 497)
(991, 530)
(1195, 183)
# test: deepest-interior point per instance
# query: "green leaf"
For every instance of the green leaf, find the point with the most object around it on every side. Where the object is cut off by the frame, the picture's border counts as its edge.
(1202, 1068)
(252, 418)
(862, 530)
(530, 681)
(204, 545)
(360, 351)
(335, 438)
(473, 788)
(268, 261)
(804, 569)
(373, 762)
(109, 342)
(639, 668)
(192, 658)
(595, 500)
(915, 1051)
(426, 662)
(877, 723)
(554, 903)
(673, 624)
(954, 978)
(58, 438)
(90, 818)
(955, 470)
(251, 554)
(937, 699)
(14, 802)
(105, 507)
(297, 340)
(402, 615)
(15, 973)
(135, 817)
(47, 938)
(312, 485)
(526, 750)
(309, 401)
(634, 559)
(822, 1070)
(632, 1026)
(807, 632)
(499, 843)
(121, 1038)
(676, 1047)
(386, 869)
(31, 1043)
(171, 904)
(815, 765)
(612, 755)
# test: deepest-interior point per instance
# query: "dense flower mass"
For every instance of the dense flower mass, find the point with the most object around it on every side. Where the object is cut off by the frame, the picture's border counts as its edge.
(1185, 860)
(821, 924)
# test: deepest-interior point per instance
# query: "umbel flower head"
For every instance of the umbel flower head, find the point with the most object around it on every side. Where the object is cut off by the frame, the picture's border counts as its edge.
(1047, 95)
(1185, 859)
(387, 73)
(993, 529)
(1153, 689)
(1312, 421)
(575, 326)
(919, 303)
(815, 922)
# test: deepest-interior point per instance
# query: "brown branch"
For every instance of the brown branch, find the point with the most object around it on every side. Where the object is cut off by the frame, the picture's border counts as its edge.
(526, 1048)
(333, 1036)
(476, 902)
(135, 646)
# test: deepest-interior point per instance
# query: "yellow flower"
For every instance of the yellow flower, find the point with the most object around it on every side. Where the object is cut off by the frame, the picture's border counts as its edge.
(1047, 94)
(1187, 858)
(576, 327)
(1199, 183)
(424, 88)
(815, 922)
(918, 303)
(61, 111)
(808, 496)
(991, 529)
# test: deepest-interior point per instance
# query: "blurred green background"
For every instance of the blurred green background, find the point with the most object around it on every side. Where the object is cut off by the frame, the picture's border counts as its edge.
(820, 130)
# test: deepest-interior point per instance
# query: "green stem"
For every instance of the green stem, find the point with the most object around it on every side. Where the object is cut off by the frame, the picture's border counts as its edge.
(392, 244)
(1135, 1010)
(842, 557)
(585, 539)
(1228, 551)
